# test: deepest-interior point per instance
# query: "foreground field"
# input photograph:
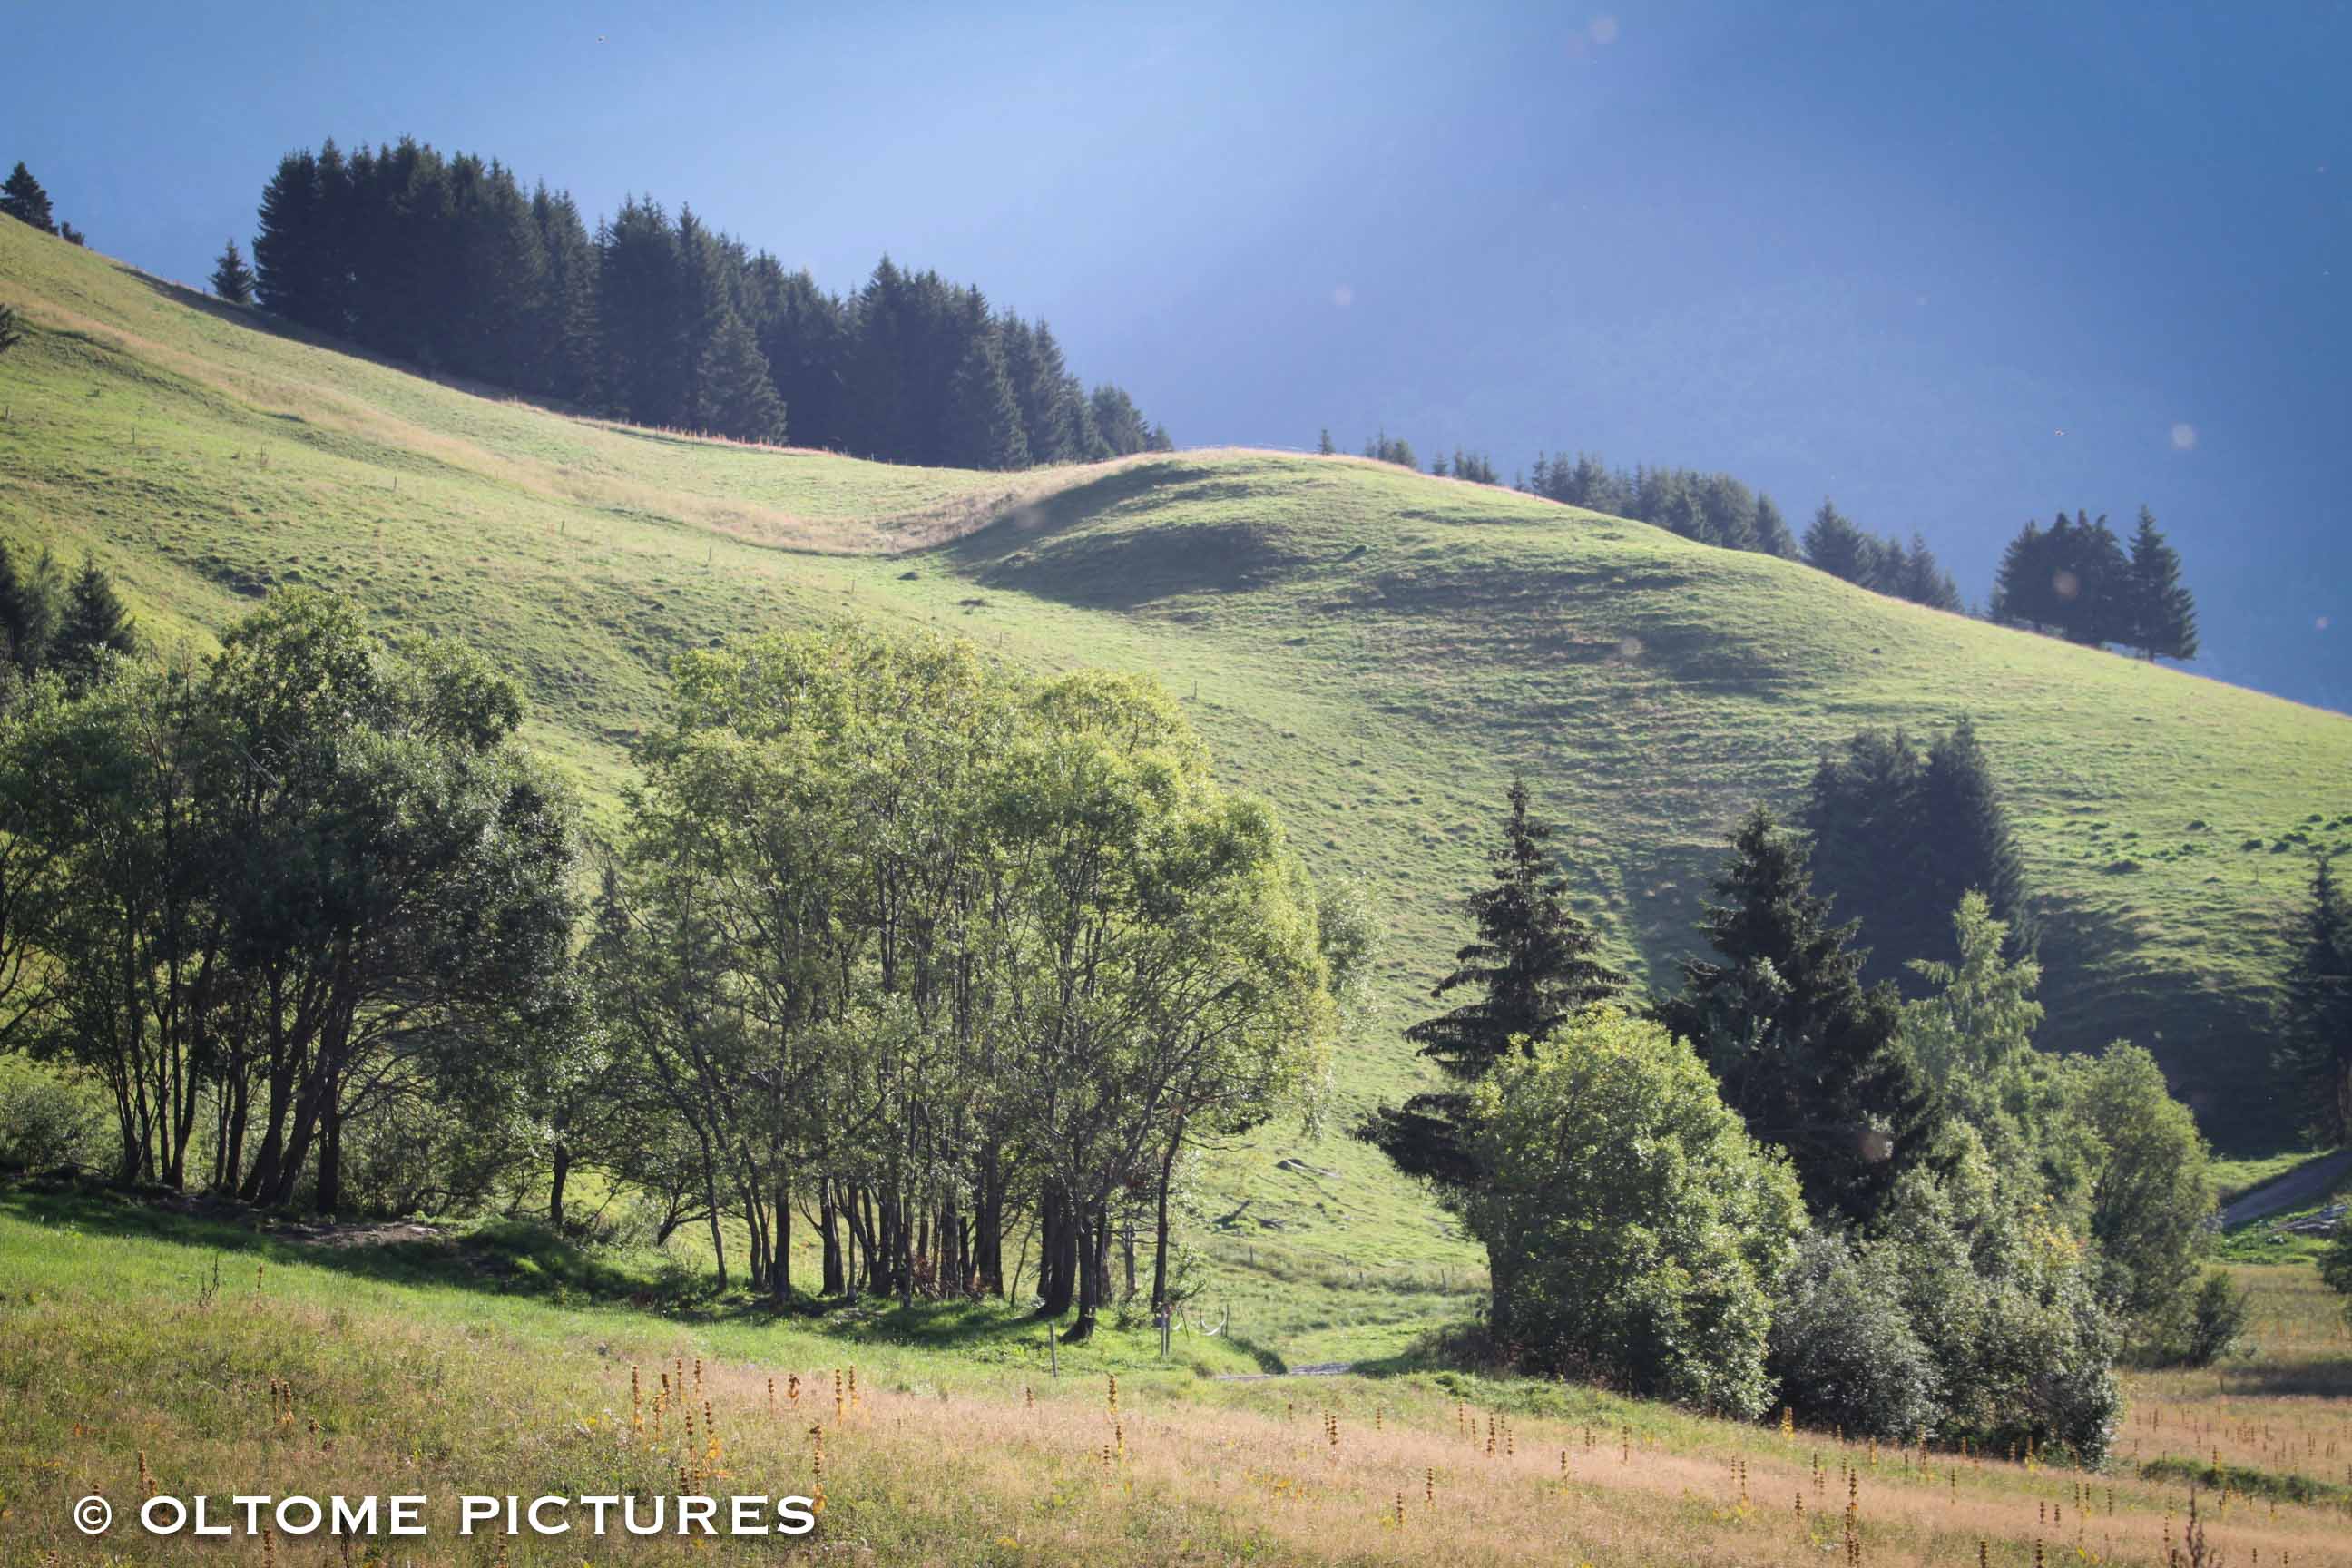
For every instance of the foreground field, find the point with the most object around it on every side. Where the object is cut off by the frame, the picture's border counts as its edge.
(227, 1365)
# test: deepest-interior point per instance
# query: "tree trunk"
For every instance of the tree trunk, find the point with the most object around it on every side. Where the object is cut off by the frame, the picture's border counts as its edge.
(555, 1181)
(1159, 1226)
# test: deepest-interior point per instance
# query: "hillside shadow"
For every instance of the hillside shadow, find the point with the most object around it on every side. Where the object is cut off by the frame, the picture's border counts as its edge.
(514, 1259)
(1033, 549)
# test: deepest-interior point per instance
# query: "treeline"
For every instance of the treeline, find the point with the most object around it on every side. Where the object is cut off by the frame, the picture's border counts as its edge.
(23, 198)
(1715, 509)
(1783, 1184)
(893, 944)
(2074, 579)
(448, 263)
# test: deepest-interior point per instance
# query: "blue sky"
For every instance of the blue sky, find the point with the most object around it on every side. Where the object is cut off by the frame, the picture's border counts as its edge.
(1953, 265)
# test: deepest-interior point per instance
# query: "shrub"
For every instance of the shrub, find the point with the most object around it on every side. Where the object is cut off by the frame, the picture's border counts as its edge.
(2214, 1323)
(1634, 1230)
(1843, 1347)
(46, 1124)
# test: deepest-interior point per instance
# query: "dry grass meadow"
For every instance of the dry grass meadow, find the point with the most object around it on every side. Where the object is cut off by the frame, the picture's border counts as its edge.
(156, 1360)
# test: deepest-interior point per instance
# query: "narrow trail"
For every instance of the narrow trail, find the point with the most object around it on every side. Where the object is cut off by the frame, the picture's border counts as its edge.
(1321, 1368)
(2305, 1183)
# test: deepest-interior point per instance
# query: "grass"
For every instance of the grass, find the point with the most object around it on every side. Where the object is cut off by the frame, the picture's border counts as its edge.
(118, 1347)
(1376, 651)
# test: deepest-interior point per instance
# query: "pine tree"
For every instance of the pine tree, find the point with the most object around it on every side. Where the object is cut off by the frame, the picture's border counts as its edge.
(1323, 443)
(2162, 619)
(22, 198)
(94, 630)
(1804, 1053)
(72, 234)
(2315, 1020)
(1772, 535)
(738, 399)
(231, 279)
(1533, 965)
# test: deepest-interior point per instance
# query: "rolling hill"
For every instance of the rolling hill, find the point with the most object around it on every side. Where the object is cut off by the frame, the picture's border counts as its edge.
(1373, 649)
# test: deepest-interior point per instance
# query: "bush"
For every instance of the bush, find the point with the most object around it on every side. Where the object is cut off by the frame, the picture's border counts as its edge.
(46, 1124)
(1843, 1347)
(1633, 1228)
(2024, 1349)
(2215, 1322)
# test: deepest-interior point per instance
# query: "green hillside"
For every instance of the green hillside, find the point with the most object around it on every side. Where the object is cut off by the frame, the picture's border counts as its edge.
(1373, 649)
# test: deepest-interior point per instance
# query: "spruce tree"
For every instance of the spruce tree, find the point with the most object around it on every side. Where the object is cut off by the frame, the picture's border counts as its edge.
(738, 399)
(22, 198)
(1323, 443)
(1808, 1057)
(2316, 1019)
(94, 630)
(1772, 535)
(2163, 616)
(1533, 965)
(12, 331)
(231, 279)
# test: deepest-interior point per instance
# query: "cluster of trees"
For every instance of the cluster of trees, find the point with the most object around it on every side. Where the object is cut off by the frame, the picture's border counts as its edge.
(2074, 579)
(23, 198)
(1783, 1184)
(1900, 832)
(1476, 467)
(309, 887)
(1714, 509)
(448, 263)
(1718, 510)
(1834, 544)
(893, 941)
(75, 628)
(920, 946)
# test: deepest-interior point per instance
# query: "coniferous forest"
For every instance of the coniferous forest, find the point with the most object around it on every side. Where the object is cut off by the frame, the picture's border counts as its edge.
(659, 319)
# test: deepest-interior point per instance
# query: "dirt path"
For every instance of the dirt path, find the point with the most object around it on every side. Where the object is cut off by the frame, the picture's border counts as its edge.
(2305, 1183)
(1321, 1368)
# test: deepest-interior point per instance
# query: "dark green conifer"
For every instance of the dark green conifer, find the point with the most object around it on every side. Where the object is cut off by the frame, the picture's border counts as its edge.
(94, 630)
(28, 610)
(1834, 545)
(985, 427)
(22, 198)
(1533, 965)
(1806, 1055)
(2162, 619)
(2316, 1019)
(231, 279)
(739, 400)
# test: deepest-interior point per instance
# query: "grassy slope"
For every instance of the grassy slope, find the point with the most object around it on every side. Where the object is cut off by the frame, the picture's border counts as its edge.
(1375, 650)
